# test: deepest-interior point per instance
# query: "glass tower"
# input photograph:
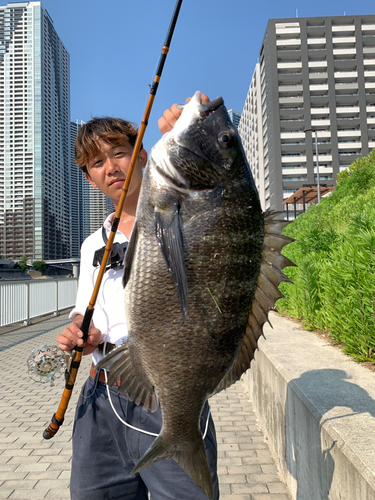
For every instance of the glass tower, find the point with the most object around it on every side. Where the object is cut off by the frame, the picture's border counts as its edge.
(34, 135)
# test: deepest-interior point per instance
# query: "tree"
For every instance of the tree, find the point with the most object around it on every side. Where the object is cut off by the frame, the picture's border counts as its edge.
(23, 263)
(39, 265)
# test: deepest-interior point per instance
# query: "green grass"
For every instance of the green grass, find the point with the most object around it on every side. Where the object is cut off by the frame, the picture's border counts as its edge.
(334, 283)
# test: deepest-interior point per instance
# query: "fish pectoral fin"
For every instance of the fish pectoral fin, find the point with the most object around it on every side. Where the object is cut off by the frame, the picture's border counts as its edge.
(129, 255)
(168, 234)
(132, 382)
(191, 456)
(266, 294)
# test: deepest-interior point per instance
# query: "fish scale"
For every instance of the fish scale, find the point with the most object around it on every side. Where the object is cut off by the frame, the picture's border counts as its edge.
(202, 270)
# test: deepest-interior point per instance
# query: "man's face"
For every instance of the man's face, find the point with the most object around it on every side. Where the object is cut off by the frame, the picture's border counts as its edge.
(107, 171)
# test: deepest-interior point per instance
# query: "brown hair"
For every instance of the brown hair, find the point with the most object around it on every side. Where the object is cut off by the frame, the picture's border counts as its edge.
(114, 131)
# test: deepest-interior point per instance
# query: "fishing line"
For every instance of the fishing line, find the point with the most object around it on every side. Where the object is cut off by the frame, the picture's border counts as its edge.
(106, 380)
(141, 430)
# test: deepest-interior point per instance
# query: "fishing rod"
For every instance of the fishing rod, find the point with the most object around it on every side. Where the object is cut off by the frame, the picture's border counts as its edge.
(71, 374)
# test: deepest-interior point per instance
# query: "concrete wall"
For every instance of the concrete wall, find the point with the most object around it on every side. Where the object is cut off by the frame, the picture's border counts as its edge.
(13, 274)
(317, 409)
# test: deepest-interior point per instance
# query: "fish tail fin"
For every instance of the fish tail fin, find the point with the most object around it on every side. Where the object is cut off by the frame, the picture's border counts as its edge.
(190, 456)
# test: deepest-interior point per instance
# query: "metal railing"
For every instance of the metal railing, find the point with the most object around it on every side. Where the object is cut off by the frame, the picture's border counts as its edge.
(25, 300)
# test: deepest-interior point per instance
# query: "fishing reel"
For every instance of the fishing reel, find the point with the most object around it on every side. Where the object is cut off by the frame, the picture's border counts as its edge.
(46, 364)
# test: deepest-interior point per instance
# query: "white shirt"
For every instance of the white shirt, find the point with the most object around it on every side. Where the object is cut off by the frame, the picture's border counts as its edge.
(109, 312)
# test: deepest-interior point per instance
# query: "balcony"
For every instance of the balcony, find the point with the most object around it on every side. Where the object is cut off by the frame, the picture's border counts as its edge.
(322, 158)
(350, 145)
(290, 89)
(349, 133)
(349, 110)
(350, 28)
(294, 171)
(289, 65)
(320, 111)
(318, 78)
(284, 29)
(293, 159)
(316, 43)
(348, 89)
(291, 44)
(345, 41)
(343, 54)
(290, 78)
(343, 76)
(292, 135)
(369, 63)
(291, 101)
(368, 27)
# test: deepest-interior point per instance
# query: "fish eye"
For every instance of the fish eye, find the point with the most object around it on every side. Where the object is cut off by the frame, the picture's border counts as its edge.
(226, 139)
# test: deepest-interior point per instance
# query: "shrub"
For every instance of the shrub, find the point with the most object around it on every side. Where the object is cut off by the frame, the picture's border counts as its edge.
(39, 265)
(334, 283)
(23, 264)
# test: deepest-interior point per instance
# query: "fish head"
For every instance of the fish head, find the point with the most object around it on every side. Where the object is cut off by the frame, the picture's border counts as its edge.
(202, 151)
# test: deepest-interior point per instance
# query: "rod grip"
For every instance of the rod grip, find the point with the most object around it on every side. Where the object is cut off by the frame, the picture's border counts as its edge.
(86, 322)
(58, 420)
(52, 428)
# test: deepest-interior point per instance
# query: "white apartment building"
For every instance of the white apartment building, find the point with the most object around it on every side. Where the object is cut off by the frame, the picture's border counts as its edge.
(34, 135)
(248, 129)
(314, 74)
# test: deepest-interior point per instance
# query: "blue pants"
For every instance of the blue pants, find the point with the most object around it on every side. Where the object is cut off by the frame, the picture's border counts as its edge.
(105, 451)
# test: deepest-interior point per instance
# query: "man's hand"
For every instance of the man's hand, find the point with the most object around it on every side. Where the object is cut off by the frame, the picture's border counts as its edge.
(72, 336)
(171, 115)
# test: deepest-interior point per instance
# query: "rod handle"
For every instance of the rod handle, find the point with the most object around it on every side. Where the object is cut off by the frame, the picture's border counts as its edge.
(58, 418)
(52, 428)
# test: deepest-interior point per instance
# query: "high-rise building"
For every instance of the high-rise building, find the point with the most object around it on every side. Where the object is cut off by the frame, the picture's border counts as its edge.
(76, 199)
(96, 207)
(249, 128)
(314, 74)
(235, 117)
(34, 135)
(89, 207)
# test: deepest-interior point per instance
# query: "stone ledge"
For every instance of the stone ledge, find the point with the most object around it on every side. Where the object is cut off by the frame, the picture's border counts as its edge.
(317, 409)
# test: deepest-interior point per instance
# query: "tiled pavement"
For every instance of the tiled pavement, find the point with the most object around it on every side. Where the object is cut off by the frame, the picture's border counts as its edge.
(32, 468)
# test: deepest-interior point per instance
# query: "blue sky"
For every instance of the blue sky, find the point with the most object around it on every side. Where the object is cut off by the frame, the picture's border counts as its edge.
(115, 46)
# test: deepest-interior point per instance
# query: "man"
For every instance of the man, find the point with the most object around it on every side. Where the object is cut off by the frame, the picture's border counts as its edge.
(104, 449)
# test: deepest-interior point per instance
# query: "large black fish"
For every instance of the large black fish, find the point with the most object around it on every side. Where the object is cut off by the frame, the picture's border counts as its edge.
(201, 273)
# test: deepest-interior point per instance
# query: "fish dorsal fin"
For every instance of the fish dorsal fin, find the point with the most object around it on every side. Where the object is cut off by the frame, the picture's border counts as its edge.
(266, 294)
(129, 254)
(132, 382)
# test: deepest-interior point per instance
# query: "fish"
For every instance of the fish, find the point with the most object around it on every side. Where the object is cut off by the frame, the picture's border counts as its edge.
(201, 273)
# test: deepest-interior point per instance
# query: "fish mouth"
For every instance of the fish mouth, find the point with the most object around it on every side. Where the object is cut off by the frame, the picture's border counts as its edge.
(204, 108)
(194, 114)
(210, 107)
(193, 111)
